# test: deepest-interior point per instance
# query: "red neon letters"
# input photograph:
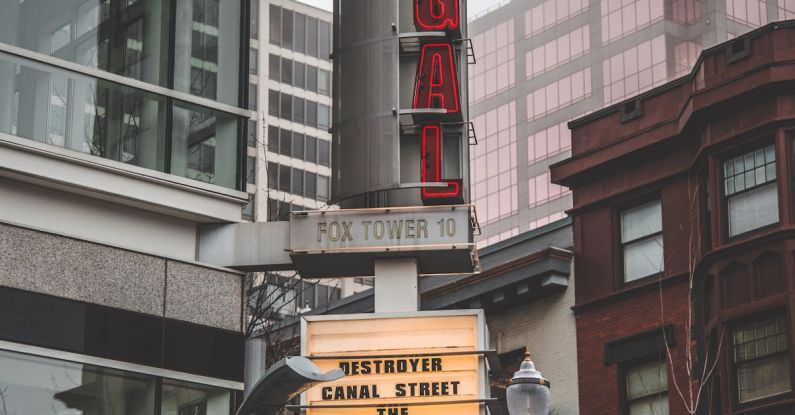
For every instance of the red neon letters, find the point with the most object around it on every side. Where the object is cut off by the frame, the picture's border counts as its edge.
(436, 14)
(431, 166)
(437, 84)
(436, 87)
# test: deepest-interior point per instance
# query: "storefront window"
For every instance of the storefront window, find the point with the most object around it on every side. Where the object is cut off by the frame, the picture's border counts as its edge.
(38, 385)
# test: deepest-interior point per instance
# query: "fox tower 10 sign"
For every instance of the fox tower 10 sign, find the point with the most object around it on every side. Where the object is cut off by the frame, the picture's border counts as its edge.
(401, 130)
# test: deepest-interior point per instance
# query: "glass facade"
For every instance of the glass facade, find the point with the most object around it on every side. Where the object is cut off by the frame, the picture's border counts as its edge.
(196, 51)
(39, 385)
(576, 56)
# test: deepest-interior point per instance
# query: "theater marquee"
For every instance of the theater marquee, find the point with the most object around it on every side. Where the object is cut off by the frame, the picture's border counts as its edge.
(401, 364)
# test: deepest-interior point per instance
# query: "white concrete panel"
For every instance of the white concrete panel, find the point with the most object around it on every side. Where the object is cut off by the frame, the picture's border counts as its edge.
(96, 220)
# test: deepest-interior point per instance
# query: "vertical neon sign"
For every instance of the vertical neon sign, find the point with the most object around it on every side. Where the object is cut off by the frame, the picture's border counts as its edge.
(437, 87)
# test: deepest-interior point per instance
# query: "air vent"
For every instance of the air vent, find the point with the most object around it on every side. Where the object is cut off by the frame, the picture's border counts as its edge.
(631, 109)
(738, 49)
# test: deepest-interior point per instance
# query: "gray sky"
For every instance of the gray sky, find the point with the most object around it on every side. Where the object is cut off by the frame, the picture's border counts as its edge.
(475, 6)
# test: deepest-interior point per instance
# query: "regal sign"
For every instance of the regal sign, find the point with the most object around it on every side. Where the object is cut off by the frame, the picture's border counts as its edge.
(437, 87)
(403, 364)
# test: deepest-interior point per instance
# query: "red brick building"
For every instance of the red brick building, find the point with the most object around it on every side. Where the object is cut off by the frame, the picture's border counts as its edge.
(690, 182)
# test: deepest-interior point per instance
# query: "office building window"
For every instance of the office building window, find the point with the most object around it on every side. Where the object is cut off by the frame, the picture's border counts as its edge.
(620, 18)
(559, 94)
(275, 25)
(323, 117)
(251, 170)
(686, 11)
(324, 41)
(558, 51)
(298, 182)
(549, 142)
(311, 36)
(285, 142)
(311, 113)
(299, 75)
(252, 97)
(274, 101)
(253, 61)
(323, 152)
(299, 38)
(311, 185)
(254, 26)
(324, 82)
(274, 67)
(634, 70)
(251, 133)
(298, 110)
(287, 71)
(284, 178)
(761, 359)
(550, 13)
(287, 29)
(248, 208)
(495, 70)
(286, 110)
(311, 149)
(642, 241)
(646, 388)
(494, 164)
(311, 78)
(322, 188)
(750, 12)
(273, 139)
(786, 9)
(298, 146)
(541, 190)
(273, 175)
(750, 189)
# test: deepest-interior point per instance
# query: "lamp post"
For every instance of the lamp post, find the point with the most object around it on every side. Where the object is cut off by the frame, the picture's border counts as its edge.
(528, 393)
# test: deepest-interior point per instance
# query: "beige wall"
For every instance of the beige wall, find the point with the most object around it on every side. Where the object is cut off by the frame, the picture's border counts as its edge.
(547, 328)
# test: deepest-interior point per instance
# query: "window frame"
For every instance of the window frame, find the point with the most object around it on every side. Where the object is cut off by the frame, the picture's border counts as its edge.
(620, 245)
(733, 380)
(625, 367)
(724, 199)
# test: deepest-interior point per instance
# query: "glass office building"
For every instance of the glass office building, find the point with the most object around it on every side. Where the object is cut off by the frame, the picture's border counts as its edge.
(543, 63)
(122, 126)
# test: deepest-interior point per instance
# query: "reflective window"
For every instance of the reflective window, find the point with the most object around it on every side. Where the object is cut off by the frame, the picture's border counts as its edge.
(559, 94)
(252, 97)
(634, 70)
(558, 51)
(287, 71)
(495, 70)
(125, 38)
(298, 182)
(254, 22)
(686, 11)
(311, 78)
(751, 191)
(299, 38)
(39, 385)
(287, 29)
(550, 13)
(116, 122)
(253, 61)
(622, 17)
(324, 41)
(323, 117)
(685, 57)
(324, 82)
(274, 67)
(311, 36)
(299, 75)
(248, 208)
(311, 185)
(322, 188)
(548, 142)
(324, 153)
(750, 12)
(493, 164)
(204, 145)
(275, 14)
(251, 131)
(311, 149)
(761, 359)
(542, 190)
(206, 57)
(251, 170)
(298, 110)
(182, 398)
(786, 9)
(497, 238)
(547, 219)
(646, 388)
(642, 241)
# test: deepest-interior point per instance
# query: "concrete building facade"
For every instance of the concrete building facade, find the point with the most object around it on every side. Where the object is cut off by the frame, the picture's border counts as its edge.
(121, 134)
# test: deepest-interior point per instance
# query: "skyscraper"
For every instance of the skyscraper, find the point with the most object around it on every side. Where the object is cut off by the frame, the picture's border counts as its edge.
(541, 64)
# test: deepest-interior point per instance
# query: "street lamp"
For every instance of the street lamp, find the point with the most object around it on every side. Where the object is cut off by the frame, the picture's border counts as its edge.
(528, 393)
